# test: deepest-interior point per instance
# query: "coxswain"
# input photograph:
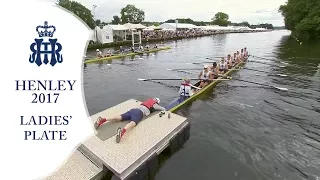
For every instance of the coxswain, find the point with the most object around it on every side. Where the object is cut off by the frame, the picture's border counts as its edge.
(134, 116)
(215, 70)
(205, 77)
(223, 66)
(155, 46)
(185, 90)
(147, 47)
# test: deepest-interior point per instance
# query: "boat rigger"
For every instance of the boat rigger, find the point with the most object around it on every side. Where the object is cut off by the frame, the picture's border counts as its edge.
(180, 101)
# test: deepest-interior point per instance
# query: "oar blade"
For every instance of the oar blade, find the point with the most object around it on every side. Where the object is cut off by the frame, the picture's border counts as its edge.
(282, 75)
(142, 79)
(282, 89)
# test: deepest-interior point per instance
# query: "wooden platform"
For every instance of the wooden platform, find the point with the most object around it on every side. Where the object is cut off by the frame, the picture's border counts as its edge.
(77, 167)
(151, 135)
(101, 153)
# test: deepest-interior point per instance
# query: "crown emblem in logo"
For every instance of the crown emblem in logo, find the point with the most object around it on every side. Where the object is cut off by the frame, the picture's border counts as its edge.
(46, 31)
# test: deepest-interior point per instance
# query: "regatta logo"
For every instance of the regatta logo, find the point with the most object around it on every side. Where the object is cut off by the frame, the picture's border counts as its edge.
(45, 47)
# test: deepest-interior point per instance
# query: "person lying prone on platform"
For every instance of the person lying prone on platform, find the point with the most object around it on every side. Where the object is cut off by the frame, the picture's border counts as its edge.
(134, 116)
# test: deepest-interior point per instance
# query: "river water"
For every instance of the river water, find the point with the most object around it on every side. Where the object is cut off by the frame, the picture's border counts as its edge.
(238, 130)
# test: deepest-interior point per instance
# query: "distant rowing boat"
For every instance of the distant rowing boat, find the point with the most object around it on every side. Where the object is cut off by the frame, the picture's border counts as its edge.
(117, 56)
(179, 102)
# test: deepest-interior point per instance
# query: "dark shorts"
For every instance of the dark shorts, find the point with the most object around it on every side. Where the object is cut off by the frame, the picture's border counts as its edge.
(135, 115)
(223, 70)
(206, 80)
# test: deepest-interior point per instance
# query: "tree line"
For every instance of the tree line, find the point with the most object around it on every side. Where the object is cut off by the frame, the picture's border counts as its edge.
(302, 18)
(132, 14)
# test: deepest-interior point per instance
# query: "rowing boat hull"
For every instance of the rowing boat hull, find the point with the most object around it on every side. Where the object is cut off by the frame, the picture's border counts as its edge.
(178, 102)
(126, 55)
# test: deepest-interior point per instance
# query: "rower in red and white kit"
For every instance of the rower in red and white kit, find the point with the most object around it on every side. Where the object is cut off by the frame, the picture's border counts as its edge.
(223, 66)
(134, 116)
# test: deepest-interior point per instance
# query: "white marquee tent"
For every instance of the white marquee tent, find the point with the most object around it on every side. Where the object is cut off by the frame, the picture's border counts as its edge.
(106, 34)
(179, 26)
(134, 26)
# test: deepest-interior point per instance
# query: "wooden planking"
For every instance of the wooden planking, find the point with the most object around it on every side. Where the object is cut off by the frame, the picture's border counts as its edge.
(137, 143)
(77, 167)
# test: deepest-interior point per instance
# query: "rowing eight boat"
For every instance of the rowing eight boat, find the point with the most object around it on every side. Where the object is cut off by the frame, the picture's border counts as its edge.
(179, 102)
(127, 54)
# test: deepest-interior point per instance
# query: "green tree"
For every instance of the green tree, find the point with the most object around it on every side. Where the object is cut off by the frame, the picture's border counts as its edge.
(116, 20)
(302, 18)
(79, 10)
(131, 14)
(220, 19)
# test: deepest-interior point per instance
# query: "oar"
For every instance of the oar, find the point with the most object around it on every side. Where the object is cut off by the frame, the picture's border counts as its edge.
(200, 62)
(268, 64)
(195, 87)
(188, 72)
(184, 69)
(282, 75)
(181, 70)
(214, 57)
(269, 59)
(177, 79)
(280, 88)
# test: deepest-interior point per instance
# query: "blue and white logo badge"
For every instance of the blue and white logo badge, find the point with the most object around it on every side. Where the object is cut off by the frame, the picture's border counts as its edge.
(46, 47)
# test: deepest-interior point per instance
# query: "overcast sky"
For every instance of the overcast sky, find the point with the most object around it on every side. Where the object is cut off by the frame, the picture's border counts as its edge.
(253, 11)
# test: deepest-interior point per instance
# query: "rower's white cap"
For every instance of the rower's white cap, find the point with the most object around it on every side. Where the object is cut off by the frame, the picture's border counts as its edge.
(158, 100)
(97, 50)
(205, 66)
